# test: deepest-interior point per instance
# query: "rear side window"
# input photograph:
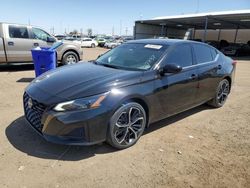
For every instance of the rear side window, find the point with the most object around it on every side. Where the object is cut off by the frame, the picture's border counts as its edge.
(181, 55)
(202, 53)
(18, 32)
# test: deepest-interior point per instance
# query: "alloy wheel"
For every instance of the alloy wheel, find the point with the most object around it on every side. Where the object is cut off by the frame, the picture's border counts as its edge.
(129, 126)
(223, 92)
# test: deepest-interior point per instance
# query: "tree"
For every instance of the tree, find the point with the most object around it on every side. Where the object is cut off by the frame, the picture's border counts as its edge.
(89, 31)
(74, 32)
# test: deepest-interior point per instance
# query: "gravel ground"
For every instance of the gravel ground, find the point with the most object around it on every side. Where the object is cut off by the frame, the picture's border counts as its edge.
(202, 147)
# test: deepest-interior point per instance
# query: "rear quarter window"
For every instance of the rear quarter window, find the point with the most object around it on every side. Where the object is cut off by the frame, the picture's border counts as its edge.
(213, 53)
(202, 53)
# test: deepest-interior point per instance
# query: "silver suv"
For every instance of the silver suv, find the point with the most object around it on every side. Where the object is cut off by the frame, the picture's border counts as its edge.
(17, 40)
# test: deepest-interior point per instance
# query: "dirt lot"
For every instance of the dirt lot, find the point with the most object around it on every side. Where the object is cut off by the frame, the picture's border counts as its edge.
(202, 147)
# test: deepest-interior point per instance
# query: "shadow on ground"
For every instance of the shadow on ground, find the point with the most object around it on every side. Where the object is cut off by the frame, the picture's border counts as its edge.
(175, 118)
(25, 80)
(25, 139)
(17, 67)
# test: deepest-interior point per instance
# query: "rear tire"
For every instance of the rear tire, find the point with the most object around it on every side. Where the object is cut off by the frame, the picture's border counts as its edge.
(92, 45)
(126, 125)
(221, 94)
(70, 58)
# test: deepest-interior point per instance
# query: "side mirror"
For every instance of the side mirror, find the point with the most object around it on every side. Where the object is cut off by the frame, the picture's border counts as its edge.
(170, 68)
(51, 39)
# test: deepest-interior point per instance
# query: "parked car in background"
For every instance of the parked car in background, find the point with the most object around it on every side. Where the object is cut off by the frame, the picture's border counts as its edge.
(16, 42)
(100, 41)
(60, 37)
(112, 44)
(70, 38)
(126, 39)
(115, 97)
(214, 43)
(88, 42)
(237, 49)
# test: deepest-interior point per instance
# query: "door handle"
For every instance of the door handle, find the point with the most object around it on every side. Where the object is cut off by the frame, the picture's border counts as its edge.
(219, 66)
(193, 76)
(36, 44)
(11, 43)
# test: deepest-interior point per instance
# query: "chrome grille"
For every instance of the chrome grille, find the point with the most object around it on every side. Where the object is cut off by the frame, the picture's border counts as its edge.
(33, 112)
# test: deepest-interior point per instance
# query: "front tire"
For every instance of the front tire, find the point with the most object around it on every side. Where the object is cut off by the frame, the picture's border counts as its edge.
(221, 94)
(70, 58)
(92, 45)
(126, 125)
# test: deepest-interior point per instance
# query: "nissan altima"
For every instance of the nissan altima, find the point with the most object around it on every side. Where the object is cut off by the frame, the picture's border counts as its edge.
(123, 91)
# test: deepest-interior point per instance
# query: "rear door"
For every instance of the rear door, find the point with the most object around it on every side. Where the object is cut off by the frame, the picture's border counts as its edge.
(177, 92)
(208, 66)
(18, 43)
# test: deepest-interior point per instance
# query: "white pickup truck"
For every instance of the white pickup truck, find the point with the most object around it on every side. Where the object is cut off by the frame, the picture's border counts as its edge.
(16, 42)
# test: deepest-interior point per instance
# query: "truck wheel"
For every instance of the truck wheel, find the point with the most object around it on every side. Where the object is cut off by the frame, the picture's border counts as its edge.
(70, 58)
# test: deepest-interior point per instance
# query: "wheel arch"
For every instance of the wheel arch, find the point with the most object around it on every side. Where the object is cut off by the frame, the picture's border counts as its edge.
(142, 102)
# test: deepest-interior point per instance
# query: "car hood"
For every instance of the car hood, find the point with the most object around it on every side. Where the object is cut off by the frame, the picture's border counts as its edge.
(80, 80)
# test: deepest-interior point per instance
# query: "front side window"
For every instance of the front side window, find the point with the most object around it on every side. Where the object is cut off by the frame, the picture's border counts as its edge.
(40, 34)
(133, 56)
(202, 53)
(181, 55)
(18, 32)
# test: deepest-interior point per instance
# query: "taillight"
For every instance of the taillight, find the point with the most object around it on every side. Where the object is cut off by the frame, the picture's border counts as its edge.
(234, 62)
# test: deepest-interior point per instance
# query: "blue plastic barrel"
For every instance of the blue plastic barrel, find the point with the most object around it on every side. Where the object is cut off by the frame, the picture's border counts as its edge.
(44, 60)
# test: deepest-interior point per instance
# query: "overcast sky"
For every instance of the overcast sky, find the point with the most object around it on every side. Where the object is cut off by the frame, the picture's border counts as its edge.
(104, 16)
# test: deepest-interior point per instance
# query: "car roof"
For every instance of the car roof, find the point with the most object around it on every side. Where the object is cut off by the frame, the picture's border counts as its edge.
(164, 41)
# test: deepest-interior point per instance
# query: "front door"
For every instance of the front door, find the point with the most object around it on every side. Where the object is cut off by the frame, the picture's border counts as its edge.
(40, 38)
(177, 92)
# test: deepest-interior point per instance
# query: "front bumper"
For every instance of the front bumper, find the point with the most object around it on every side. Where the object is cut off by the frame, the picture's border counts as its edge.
(70, 128)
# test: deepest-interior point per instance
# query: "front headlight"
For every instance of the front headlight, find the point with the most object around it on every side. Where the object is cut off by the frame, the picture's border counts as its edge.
(81, 104)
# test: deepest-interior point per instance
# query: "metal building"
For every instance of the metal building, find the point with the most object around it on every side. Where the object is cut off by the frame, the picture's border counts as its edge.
(233, 26)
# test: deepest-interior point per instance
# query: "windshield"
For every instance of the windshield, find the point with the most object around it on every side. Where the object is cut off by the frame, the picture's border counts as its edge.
(133, 56)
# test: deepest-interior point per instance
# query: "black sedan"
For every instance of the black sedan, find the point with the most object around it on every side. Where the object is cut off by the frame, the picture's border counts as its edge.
(115, 97)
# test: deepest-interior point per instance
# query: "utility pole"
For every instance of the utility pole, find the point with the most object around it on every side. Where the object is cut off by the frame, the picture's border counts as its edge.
(53, 30)
(81, 32)
(113, 31)
(126, 30)
(120, 27)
